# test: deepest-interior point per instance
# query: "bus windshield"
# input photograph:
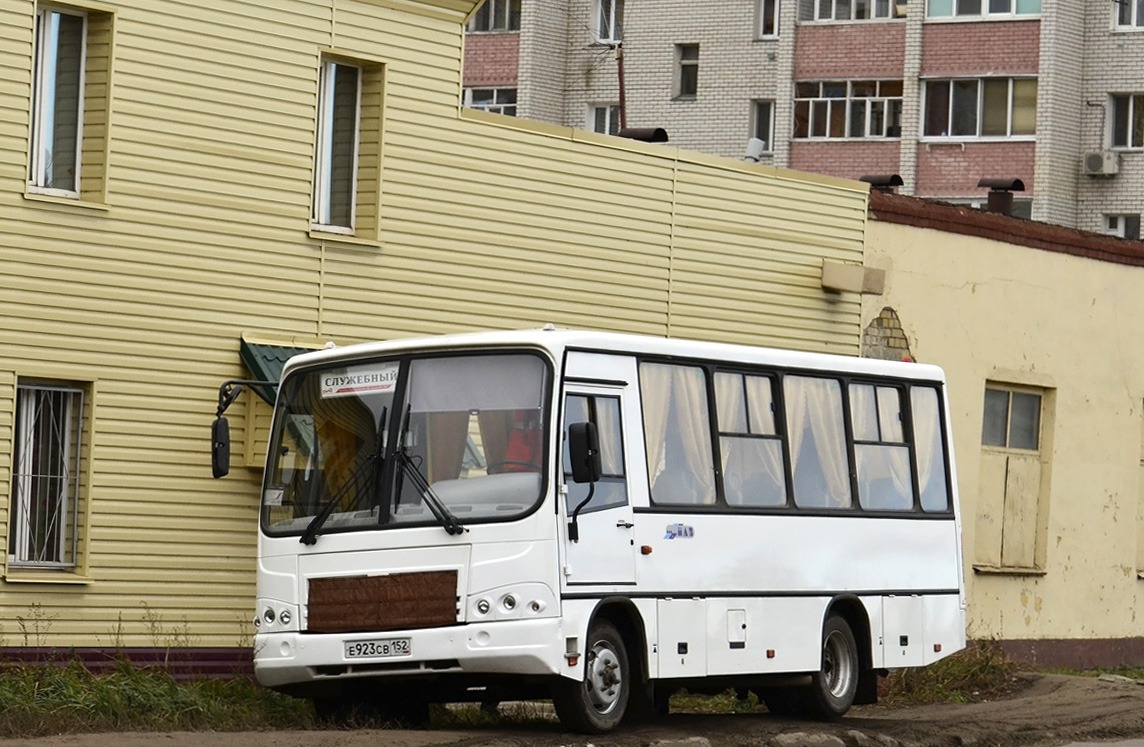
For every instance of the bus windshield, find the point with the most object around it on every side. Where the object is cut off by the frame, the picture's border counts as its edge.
(407, 441)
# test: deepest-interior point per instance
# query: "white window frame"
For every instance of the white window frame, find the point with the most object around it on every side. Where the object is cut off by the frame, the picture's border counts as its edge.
(1124, 225)
(768, 15)
(609, 24)
(1133, 9)
(854, 10)
(498, 16)
(763, 128)
(30, 480)
(44, 105)
(825, 101)
(611, 113)
(499, 104)
(321, 217)
(1135, 104)
(947, 134)
(1015, 9)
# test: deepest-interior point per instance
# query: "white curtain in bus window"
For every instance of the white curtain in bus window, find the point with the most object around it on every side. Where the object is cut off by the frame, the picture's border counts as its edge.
(751, 451)
(930, 449)
(611, 490)
(677, 428)
(885, 481)
(817, 442)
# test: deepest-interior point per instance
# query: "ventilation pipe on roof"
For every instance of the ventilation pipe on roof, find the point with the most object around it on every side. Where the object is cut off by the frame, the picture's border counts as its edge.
(646, 134)
(1001, 194)
(882, 182)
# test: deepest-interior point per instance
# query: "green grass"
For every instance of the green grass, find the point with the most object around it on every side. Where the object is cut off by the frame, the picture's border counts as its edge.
(68, 698)
(39, 700)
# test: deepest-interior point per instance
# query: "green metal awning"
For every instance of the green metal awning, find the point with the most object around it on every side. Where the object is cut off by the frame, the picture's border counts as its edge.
(265, 362)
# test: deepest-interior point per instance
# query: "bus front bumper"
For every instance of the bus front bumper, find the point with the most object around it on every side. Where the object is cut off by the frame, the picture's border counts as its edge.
(513, 647)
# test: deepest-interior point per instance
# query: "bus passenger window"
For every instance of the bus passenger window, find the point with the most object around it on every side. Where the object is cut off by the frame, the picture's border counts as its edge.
(677, 427)
(885, 479)
(930, 449)
(817, 442)
(751, 451)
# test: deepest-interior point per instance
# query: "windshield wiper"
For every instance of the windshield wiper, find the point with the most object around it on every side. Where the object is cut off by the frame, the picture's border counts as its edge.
(310, 535)
(438, 508)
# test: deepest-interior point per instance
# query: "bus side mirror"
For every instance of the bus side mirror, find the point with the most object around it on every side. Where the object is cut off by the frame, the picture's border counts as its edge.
(220, 447)
(584, 450)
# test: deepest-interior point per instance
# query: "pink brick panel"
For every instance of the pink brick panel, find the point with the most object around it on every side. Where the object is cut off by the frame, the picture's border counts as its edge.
(849, 160)
(945, 170)
(491, 60)
(981, 48)
(850, 51)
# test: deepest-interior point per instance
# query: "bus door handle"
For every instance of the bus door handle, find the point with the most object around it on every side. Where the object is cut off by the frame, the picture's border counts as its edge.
(621, 524)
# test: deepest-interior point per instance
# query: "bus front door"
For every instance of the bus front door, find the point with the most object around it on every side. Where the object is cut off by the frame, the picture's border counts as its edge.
(602, 551)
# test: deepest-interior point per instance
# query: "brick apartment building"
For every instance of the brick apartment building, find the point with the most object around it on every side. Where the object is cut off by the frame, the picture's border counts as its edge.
(944, 93)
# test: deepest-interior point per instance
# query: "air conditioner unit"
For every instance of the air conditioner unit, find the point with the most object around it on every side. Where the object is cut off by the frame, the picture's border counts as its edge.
(1101, 163)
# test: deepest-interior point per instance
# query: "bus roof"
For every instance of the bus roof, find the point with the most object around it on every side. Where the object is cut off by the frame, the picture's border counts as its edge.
(557, 341)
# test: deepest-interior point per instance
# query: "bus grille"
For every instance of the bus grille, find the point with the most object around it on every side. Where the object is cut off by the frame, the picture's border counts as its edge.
(370, 603)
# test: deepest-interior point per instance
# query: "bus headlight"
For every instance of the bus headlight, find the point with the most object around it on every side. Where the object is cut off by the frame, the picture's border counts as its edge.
(483, 606)
(284, 617)
(268, 616)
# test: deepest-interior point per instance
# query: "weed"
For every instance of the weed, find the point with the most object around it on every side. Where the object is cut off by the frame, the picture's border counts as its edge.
(981, 671)
(36, 626)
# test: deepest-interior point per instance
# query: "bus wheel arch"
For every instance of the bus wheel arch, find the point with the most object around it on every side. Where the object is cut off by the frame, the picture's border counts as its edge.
(854, 612)
(615, 671)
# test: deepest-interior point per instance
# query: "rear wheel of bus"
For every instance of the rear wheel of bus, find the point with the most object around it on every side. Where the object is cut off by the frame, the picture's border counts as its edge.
(597, 703)
(833, 688)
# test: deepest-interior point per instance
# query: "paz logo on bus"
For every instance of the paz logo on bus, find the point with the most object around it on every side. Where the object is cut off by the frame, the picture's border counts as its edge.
(679, 530)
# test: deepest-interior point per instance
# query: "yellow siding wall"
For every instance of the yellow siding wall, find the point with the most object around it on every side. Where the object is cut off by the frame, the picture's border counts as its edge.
(203, 234)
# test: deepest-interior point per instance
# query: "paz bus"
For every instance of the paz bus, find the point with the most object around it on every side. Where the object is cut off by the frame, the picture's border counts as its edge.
(602, 519)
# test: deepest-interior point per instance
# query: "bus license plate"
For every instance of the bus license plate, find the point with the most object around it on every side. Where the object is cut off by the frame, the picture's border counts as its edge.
(379, 648)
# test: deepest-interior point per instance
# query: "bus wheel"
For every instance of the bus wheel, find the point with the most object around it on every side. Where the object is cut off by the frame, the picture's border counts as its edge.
(596, 704)
(833, 688)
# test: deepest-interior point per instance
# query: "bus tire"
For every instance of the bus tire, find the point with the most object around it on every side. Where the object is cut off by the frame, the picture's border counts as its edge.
(597, 703)
(834, 686)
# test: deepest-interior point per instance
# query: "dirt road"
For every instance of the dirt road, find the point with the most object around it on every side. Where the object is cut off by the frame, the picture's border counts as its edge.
(1048, 710)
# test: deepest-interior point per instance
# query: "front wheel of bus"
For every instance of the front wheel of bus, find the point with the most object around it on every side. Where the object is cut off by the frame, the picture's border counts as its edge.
(597, 703)
(833, 688)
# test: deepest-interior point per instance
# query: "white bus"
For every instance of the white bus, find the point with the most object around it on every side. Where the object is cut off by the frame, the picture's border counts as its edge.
(603, 519)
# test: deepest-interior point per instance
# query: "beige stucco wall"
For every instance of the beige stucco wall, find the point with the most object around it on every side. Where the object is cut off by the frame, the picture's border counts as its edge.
(991, 311)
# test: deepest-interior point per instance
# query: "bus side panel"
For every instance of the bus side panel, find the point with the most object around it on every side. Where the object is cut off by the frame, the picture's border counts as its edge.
(944, 627)
(741, 632)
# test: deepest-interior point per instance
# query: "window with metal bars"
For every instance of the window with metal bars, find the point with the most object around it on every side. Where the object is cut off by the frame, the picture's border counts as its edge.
(44, 515)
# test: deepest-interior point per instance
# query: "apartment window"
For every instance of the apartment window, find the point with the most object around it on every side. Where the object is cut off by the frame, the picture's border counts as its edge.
(1125, 226)
(498, 100)
(852, 10)
(768, 18)
(1128, 121)
(339, 118)
(987, 107)
(47, 448)
(763, 123)
(604, 118)
(687, 77)
(1011, 499)
(981, 8)
(848, 109)
(497, 15)
(1129, 13)
(609, 21)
